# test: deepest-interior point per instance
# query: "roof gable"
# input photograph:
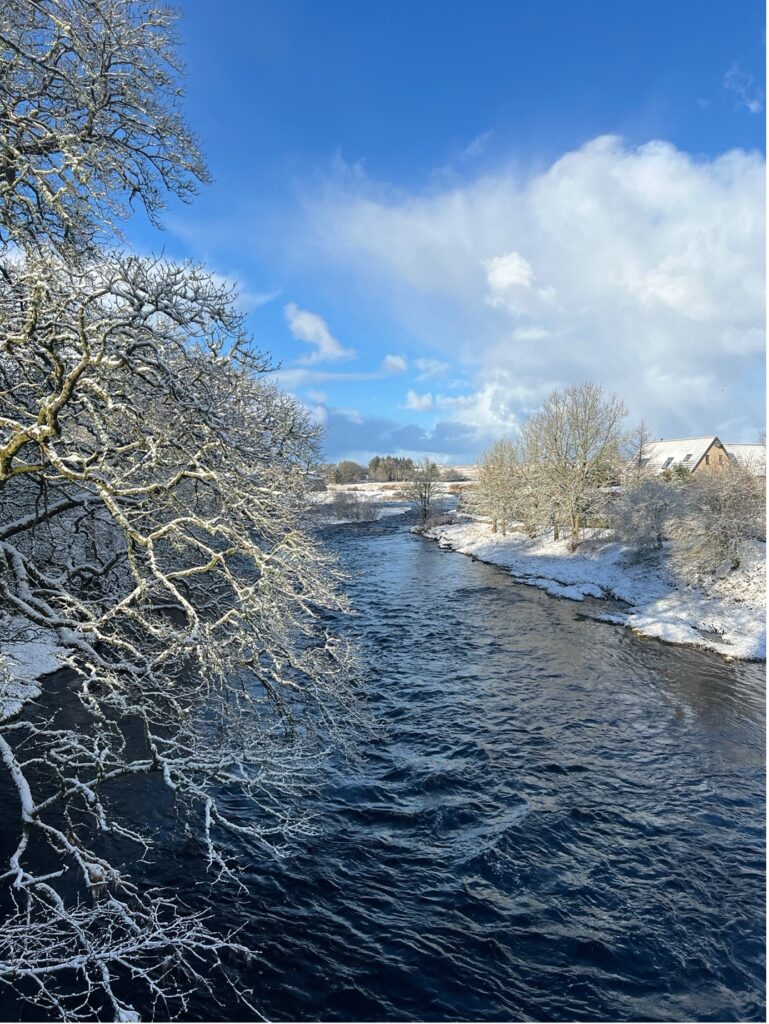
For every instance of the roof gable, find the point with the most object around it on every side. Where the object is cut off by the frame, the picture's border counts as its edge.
(688, 451)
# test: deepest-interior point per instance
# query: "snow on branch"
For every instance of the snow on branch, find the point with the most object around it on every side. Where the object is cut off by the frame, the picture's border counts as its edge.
(89, 118)
(152, 521)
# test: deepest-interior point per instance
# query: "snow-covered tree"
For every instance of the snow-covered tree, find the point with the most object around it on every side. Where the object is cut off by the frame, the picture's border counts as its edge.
(572, 448)
(501, 488)
(641, 513)
(723, 515)
(152, 502)
(152, 522)
(423, 487)
(89, 118)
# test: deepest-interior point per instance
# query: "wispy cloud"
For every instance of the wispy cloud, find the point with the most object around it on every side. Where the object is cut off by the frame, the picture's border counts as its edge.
(476, 147)
(429, 368)
(246, 298)
(463, 158)
(293, 377)
(313, 329)
(740, 84)
(394, 364)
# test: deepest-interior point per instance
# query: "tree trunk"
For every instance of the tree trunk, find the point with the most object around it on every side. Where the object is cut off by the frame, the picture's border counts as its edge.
(574, 530)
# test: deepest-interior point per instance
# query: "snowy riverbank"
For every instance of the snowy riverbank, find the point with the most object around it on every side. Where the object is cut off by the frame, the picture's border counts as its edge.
(729, 618)
(22, 663)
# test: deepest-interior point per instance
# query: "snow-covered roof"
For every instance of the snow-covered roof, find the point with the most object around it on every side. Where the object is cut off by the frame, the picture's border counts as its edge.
(752, 455)
(666, 454)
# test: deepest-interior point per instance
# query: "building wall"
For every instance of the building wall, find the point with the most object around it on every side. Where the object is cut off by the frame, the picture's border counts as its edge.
(715, 460)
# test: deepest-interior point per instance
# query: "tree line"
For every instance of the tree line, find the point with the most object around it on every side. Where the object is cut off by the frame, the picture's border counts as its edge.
(383, 469)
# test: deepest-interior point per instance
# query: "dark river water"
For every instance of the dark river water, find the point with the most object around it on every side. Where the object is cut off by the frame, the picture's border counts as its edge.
(557, 821)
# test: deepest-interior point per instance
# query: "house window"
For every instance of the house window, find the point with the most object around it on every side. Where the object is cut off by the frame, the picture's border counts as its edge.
(667, 462)
(688, 457)
(707, 460)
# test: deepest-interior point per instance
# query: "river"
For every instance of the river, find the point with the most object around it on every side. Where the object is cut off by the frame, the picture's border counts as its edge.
(554, 819)
(558, 820)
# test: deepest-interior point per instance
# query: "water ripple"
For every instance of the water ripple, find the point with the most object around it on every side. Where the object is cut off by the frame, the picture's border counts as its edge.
(555, 820)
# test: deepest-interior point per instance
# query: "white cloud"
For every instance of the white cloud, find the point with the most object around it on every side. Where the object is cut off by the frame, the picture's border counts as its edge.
(429, 368)
(317, 396)
(496, 406)
(418, 403)
(740, 83)
(249, 300)
(511, 284)
(634, 266)
(350, 414)
(313, 329)
(394, 364)
(492, 409)
(510, 271)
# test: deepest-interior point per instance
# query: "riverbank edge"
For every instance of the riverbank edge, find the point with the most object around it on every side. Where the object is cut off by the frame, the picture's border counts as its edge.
(23, 662)
(735, 628)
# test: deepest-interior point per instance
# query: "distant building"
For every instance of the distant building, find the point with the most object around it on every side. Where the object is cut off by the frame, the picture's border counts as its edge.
(696, 454)
(752, 456)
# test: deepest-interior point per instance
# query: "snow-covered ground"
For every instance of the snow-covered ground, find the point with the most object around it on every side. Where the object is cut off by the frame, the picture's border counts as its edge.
(381, 512)
(22, 662)
(729, 618)
(380, 501)
(366, 492)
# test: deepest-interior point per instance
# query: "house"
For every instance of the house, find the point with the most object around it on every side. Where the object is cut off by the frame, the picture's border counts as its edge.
(697, 454)
(752, 456)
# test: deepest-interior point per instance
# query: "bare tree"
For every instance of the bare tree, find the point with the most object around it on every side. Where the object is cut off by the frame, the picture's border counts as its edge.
(152, 503)
(153, 517)
(572, 449)
(348, 472)
(500, 485)
(89, 118)
(349, 505)
(638, 449)
(424, 487)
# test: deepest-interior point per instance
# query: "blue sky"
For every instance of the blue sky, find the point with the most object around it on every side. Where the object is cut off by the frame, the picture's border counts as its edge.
(438, 211)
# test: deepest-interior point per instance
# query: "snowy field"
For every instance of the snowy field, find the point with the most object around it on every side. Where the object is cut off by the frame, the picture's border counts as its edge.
(729, 618)
(378, 501)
